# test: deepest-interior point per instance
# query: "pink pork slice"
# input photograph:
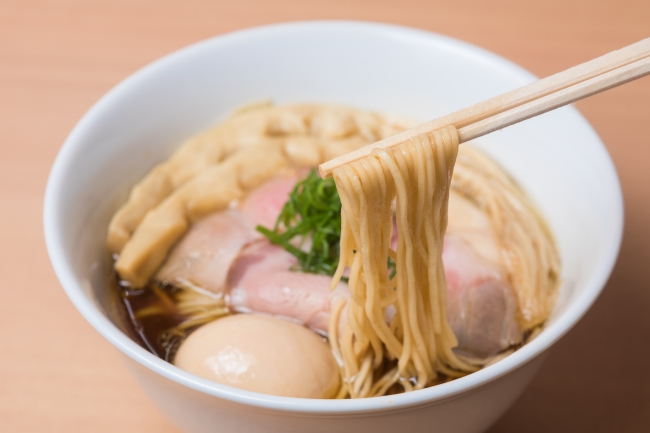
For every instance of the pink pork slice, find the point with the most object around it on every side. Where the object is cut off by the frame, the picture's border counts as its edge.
(261, 280)
(481, 306)
(263, 205)
(205, 254)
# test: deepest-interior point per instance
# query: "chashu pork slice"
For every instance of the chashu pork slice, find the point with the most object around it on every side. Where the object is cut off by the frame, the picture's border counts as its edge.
(261, 280)
(203, 257)
(481, 305)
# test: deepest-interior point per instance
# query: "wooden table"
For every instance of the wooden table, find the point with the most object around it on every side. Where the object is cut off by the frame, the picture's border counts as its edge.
(58, 57)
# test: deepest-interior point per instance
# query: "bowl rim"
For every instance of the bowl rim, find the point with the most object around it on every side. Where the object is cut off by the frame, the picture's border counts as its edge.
(92, 313)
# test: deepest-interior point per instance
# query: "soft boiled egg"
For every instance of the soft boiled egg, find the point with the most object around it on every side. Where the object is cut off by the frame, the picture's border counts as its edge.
(262, 354)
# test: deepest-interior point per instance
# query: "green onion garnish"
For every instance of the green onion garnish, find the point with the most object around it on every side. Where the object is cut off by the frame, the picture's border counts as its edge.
(312, 213)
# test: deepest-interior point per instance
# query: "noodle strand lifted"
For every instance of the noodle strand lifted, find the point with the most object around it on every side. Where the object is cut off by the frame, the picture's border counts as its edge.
(397, 330)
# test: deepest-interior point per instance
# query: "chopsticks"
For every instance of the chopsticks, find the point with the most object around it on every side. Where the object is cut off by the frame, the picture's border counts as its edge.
(566, 87)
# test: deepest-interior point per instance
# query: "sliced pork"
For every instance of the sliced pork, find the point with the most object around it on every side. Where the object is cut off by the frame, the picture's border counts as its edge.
(481, 306)
(261, 280)
(263, 205)
(204, 256)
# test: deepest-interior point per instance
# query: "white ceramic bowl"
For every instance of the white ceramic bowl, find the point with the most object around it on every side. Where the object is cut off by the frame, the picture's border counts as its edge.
(557, 158)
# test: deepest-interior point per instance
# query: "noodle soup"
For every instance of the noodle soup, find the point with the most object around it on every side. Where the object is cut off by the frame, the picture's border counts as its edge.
(238, 264)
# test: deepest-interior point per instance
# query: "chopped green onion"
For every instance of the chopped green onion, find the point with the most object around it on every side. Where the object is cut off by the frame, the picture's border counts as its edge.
(312, 213)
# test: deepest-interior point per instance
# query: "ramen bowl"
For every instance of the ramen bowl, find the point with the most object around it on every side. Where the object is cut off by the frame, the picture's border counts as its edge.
(557, 158)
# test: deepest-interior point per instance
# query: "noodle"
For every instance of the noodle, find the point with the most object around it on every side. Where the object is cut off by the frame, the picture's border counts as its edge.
(417, 174)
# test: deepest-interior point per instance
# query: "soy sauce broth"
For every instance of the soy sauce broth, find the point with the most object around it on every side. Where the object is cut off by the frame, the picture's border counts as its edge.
(149, 314)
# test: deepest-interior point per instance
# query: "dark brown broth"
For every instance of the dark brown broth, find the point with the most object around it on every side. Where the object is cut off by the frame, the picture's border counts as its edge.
(152, 331)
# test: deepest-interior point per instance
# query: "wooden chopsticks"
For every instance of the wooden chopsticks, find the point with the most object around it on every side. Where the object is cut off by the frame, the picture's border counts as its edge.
(573, 84)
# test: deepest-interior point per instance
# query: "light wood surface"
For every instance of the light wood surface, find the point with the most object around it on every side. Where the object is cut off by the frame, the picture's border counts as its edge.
(58, 57)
